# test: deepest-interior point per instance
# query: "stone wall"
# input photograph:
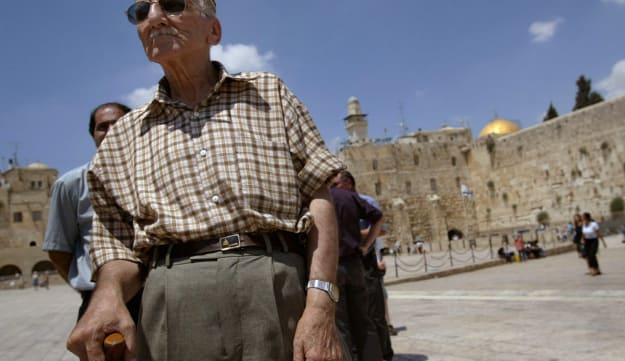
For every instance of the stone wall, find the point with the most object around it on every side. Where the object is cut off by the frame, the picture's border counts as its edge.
(574, 163)
(26, 192)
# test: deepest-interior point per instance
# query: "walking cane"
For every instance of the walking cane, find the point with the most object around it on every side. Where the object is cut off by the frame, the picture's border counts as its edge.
(114, 347)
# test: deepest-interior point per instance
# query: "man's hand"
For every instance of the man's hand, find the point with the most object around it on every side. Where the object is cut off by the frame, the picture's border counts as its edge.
(104, 316)
(316, 337)
(382, 265)
(117, 282)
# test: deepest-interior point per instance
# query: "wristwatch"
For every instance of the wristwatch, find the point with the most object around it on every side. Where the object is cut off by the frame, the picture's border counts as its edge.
(328, 287)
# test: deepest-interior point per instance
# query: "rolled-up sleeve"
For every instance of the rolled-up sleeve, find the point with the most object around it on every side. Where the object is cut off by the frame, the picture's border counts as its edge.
(112, 233)
(111, 190)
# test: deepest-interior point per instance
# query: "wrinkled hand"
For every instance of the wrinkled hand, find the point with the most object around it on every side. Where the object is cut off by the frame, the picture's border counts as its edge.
(316, 337)
(104, 316)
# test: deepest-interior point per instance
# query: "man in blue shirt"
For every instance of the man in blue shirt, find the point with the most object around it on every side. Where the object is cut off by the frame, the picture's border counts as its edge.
(69, 221)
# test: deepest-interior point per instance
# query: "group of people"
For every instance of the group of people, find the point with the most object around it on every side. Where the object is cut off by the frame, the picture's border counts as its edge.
(586, 238)
(213, 222)
(40, 281)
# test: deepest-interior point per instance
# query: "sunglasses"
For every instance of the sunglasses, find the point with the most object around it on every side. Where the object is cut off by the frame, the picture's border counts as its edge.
(138, 11)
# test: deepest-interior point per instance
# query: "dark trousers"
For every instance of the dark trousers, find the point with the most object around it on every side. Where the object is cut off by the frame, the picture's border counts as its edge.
(591, 246)
(375, 292)
(134, 305)
(352, 318)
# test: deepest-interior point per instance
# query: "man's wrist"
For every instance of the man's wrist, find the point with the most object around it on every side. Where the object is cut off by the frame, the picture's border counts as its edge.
(331, 290)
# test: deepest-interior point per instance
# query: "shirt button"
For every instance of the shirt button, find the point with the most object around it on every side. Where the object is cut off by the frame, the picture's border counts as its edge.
(203, 152)
(216, 199)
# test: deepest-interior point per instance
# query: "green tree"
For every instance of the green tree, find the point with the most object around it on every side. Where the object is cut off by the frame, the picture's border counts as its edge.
(617, 206)
(595, 98)
(551, 113)
(585, 96)
(543, 217)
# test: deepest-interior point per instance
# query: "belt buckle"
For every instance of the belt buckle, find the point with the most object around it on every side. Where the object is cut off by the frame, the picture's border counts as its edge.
(230, 242)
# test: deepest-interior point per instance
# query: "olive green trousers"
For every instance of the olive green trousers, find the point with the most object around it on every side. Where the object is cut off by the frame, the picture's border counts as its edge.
(238, 306)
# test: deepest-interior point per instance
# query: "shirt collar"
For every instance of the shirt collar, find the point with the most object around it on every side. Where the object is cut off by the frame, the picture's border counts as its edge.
(162, 94)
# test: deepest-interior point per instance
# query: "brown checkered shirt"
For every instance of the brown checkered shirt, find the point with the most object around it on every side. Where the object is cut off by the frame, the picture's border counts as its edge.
(247, 159)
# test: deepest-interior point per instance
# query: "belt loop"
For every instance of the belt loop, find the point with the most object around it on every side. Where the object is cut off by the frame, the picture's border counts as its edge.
(168, 255)
(280, 235)
(268, 245)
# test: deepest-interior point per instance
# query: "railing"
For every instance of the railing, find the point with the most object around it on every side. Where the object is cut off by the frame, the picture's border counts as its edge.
(457, 255)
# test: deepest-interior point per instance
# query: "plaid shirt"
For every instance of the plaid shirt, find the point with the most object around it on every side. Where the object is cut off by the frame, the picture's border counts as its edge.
(247, 159)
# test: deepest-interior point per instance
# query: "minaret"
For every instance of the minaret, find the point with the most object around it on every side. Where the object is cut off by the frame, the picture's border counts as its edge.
(356, 122)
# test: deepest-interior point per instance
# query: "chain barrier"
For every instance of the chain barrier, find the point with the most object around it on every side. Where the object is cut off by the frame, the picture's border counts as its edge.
(463, 260)
(401, 261)
(442, 257)
(407, 269)
(436, 261)
(462, 253)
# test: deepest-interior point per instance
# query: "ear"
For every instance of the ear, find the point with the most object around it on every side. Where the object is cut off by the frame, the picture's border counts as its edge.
(214, 37)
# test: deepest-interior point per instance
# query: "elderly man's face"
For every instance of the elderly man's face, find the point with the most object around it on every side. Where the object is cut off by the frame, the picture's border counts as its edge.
(168, 37)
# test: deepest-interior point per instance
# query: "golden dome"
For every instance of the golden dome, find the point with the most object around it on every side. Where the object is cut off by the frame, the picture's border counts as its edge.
(500, 126)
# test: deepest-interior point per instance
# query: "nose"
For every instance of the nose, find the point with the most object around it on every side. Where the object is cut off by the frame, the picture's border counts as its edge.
(155, 11)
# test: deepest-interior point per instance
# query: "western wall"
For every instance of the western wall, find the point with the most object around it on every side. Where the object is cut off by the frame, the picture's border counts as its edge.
(436, 182)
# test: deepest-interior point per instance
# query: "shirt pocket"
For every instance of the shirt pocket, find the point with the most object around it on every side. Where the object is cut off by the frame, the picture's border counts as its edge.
(268, 178)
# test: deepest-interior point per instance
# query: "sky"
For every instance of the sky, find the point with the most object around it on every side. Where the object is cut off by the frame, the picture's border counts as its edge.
(425, 64)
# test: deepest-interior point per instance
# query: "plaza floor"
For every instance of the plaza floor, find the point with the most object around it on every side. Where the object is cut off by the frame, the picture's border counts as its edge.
(544, 310)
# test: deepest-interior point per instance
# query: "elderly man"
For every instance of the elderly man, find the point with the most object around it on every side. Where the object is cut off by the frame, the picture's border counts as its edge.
(205, 195)
(69, 221)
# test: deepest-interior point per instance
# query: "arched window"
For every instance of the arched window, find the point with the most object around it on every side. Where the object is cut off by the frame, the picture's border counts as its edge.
(433, 185)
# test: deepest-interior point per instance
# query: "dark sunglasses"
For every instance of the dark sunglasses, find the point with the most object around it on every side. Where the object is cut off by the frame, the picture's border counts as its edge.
(138, 11)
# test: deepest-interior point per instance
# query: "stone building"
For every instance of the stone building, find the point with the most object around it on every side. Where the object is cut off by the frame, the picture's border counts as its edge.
(24, 205)
(432, 184)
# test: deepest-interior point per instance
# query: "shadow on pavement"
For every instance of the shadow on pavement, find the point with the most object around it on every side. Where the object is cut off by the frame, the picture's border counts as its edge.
(409, 357)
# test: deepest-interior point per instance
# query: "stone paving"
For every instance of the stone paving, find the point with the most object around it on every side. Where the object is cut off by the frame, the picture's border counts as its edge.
(544, 309)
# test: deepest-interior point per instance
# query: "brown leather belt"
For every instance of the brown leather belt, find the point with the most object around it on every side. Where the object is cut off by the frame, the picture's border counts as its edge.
(280, 240)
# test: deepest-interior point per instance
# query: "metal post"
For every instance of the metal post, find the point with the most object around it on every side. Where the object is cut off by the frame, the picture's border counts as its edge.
(451, 259)
(396, 270)
(472, 253)
(425, 262)
(490, 245)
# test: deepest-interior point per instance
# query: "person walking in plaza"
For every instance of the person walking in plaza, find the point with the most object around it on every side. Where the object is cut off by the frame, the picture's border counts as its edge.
(519, 244)
(68, 233)
(578, 223)
(353, 319)
(215, 197)
(35, 280)
(592, 234)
